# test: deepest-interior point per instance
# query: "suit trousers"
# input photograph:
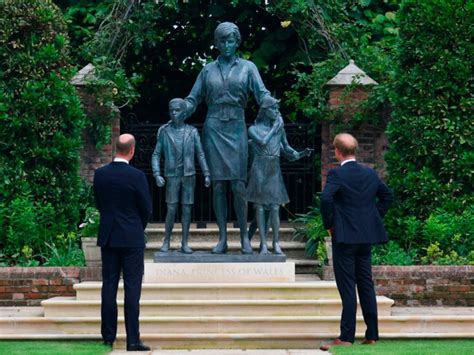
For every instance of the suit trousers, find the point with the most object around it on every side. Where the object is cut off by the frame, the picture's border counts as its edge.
(129, 261)
(352, 267)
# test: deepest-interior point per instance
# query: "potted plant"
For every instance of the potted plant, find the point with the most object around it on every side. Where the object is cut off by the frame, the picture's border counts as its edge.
(89, 230)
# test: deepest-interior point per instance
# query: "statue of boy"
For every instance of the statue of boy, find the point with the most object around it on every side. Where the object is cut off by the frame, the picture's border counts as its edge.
(266, 188)
(179, 143)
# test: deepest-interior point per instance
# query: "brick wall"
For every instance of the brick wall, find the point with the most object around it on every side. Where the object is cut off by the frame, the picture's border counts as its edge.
(91, 157)
(407, 285)
(429, 285)
(30, 285)
(372, 138)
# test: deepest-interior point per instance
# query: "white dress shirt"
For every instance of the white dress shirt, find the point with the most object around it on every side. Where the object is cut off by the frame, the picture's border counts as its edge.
(120, 160)
(347, 161)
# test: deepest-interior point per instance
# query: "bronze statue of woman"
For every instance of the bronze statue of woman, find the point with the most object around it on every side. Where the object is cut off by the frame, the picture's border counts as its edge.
(225, 85)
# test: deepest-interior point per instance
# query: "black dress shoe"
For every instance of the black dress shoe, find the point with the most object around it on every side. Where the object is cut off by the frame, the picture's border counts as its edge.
(109, 343)
(138, 347)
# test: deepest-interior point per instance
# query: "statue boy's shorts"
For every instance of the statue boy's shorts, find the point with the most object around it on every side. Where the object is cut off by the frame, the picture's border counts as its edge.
(184, 183)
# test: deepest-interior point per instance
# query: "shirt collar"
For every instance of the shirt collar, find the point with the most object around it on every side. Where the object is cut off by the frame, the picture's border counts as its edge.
(347, 161)
(120, 160)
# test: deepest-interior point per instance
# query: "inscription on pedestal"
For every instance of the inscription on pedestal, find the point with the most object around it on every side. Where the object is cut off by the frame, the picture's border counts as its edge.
(219, 272)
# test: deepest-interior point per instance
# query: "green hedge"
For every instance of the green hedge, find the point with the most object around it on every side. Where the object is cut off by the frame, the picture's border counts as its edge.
(40, 131)
(431, 155)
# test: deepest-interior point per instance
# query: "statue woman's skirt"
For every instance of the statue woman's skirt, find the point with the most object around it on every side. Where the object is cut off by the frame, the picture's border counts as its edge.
(226, 147)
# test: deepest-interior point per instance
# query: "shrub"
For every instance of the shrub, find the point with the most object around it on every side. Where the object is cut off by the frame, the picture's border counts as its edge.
(40, 132)
(431, 151)
(430, 156)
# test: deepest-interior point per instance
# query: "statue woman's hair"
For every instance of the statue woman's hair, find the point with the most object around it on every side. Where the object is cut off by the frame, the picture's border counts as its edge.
(225, 29)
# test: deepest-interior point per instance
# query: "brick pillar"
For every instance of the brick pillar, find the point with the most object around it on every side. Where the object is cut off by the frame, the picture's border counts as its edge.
(91, 157)
(372, 138)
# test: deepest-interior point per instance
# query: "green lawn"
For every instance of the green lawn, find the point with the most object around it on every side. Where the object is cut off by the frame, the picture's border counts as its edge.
(410, 347)
(50, 347)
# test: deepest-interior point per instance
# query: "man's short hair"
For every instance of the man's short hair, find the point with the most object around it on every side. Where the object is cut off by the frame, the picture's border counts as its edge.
(124, 144)
(346, 144)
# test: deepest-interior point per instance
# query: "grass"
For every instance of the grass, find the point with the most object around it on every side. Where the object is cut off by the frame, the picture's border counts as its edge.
(50, 347)
(410, 347)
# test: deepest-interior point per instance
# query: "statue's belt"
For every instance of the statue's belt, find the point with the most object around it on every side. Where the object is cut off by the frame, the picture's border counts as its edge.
(226, 112)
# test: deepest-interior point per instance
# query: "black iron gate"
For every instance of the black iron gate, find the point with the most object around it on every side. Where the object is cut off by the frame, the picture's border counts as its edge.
(301, 178)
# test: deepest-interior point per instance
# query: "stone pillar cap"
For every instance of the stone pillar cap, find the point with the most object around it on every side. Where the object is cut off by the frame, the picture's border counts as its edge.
(351, 74)
(84, 76)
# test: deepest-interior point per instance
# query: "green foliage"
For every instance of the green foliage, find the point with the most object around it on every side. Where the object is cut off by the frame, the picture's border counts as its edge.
(65, 250)
(430, 159)
(102, 32)
(113, 90)
(310, 227)
(391, 254)
(53, 347)
(415, 346)
(90, 227)
(40, 131)
(332, 32)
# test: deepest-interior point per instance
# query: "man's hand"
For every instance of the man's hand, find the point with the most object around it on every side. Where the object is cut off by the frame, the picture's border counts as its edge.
(207, 181)
(160, 181)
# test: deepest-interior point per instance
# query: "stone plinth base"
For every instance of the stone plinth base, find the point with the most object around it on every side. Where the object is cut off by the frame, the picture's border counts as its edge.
(265, 272)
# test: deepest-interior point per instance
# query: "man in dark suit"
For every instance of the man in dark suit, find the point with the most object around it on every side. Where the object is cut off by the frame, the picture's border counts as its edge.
(123, 199)
(353, 203)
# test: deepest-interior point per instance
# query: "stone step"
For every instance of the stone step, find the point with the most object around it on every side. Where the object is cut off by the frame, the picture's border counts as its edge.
(70, 307)
(156, 233)
(313, 290)
(412, 326)
(306, 266)
(292, 249)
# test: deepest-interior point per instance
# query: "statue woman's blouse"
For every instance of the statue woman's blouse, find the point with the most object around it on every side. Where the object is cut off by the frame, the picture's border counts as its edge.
(227, 96)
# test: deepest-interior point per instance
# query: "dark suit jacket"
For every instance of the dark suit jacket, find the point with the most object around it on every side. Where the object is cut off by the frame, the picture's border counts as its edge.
(165, 142)
(123, 199)
(353, 203)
